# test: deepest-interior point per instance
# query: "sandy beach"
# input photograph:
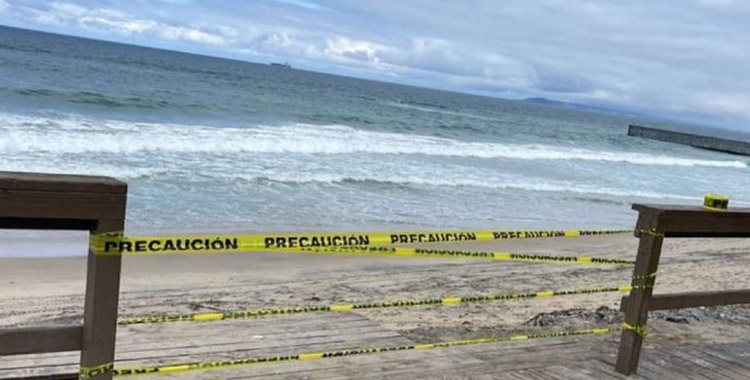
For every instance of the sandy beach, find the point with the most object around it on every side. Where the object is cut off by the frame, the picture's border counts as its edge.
(48, 291)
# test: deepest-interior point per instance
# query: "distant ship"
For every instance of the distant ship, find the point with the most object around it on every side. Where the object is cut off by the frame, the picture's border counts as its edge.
(284, 65)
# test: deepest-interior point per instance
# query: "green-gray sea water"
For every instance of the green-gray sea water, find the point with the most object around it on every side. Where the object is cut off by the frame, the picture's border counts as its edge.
(210, 144)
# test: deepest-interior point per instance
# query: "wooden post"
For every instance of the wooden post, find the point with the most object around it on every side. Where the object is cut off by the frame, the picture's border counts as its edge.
(636, 310)
(65, 202)
(100, 307)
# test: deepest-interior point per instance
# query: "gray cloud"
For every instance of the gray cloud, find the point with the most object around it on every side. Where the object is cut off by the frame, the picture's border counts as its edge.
(678, 58)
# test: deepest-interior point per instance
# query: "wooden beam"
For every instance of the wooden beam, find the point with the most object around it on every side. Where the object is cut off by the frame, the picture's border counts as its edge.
(694, 221)
(47, 224)
(60, 183)
(60, 205)
(57, 376)
(694, 299)
(40, 339)
(682, 210)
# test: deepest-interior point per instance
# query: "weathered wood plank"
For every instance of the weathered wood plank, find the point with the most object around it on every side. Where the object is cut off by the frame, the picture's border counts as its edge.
(59, 205)
(262, 338)
(565, 372)
(44, 339)
(59, 376)
(689, 221)
(600, 368)
(694, 299)
(341, 331)
(554, 359)
(13, 223)
(689, 211)
(467, 362)
(703, 362)
(675, 364)
(728, 359)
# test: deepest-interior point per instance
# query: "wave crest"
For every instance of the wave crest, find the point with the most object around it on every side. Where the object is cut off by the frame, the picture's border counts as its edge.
(518, 183)
(74, 136)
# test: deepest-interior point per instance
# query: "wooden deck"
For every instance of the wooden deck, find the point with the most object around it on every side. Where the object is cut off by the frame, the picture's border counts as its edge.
(586, 357)
(673, 351)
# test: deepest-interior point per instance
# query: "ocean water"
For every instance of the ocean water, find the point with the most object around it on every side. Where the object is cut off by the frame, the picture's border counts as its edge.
(209, 144)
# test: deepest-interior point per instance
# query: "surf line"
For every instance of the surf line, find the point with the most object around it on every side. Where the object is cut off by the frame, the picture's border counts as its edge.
(89, 372)
(117, 244)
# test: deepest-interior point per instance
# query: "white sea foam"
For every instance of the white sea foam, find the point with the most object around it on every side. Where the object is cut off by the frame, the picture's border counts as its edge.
(502, 182)
(24, 134)
(445, 179)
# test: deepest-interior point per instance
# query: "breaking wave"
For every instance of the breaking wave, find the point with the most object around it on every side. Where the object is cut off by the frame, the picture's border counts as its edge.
(518, 183)
(24, 134)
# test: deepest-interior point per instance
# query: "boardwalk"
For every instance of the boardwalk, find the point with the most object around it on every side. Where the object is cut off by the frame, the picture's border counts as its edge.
(204, 284)
(560, 358)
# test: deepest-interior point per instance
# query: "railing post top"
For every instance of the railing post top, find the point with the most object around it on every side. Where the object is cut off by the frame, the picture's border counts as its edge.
(692, 211)
(61, 183)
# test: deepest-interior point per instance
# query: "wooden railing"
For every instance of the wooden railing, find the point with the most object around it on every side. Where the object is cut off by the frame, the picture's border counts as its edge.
(65, 202)
(656, 222)
(97, 204)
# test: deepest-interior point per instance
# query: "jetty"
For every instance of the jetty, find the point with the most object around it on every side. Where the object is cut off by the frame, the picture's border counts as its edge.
(699, 141)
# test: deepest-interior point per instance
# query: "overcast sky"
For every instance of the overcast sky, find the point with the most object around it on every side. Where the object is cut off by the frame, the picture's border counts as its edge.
(685, 59)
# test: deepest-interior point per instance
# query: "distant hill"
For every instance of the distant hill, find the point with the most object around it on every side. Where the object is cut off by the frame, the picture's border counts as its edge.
(557, 103)
(547, 102)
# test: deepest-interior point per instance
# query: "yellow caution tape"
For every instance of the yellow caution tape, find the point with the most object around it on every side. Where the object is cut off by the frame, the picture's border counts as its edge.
(90, 372)
(371, 305)
(639, 330)
(312, 356)
(715, 202)
(342, 307)
(383, 251)
(452, 301)
(209, 317)
(442, 253)
(117, 244)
